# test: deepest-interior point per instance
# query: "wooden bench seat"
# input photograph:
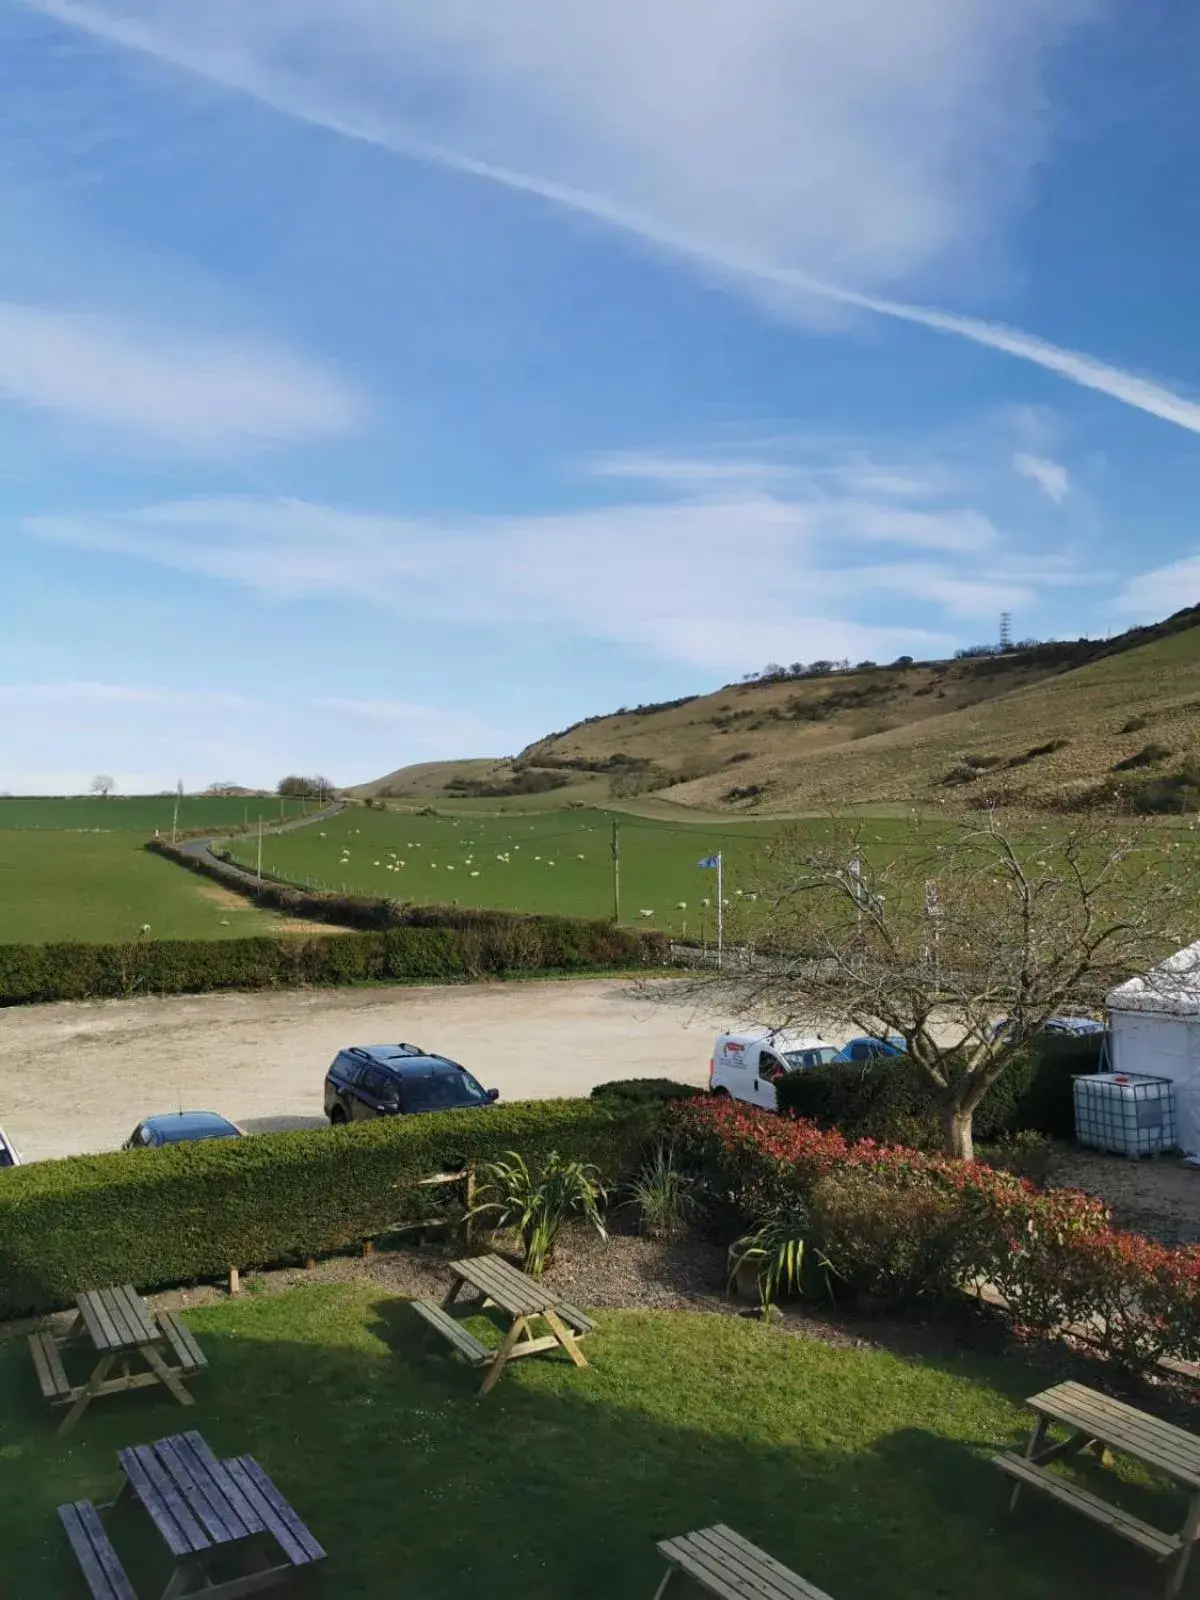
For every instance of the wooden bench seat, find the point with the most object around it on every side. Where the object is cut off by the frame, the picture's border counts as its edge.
(720, 1561)
(1104, 1512)
(579, 1323)
(52, 1376)
(466, 1343)
(182, 1340)
(98, 1561)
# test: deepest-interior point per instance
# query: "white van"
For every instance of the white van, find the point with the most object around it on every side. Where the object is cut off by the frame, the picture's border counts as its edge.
(746, 1065)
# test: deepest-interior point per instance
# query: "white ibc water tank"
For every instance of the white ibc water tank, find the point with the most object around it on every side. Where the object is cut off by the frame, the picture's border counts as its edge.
(1128, 1113)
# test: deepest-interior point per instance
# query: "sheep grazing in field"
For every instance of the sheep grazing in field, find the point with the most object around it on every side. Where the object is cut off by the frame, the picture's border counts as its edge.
(681, 905)
(475, 874)
(144, 929)
(645, 913)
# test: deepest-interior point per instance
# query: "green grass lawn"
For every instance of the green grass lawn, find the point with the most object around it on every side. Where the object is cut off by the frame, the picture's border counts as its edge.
(100, 887)
(867, 1473)
(557, 861)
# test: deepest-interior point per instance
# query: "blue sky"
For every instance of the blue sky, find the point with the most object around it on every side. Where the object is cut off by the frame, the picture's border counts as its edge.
(385, 383)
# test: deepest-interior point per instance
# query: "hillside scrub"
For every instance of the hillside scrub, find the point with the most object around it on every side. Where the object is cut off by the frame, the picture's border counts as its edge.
(962, 926)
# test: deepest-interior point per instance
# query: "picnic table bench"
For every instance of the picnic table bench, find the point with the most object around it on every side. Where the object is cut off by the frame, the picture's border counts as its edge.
(1096, 1419)
(721, 1561)
(204, 1509)
(522, 1299)
(122, 1331)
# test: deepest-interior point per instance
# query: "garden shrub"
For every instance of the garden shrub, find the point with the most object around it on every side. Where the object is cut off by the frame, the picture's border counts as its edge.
(645, 1091)
(891, 1100)
(894, 1241)
(411, 952)
(908, 1225)
(153, 1217)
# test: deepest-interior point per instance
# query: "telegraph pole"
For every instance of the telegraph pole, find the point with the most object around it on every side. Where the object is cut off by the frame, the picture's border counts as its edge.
(720, 908)
(260, 849)
(175, 814)
(616, 860)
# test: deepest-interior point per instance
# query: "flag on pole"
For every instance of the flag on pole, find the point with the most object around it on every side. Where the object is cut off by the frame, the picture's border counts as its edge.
(709, 861)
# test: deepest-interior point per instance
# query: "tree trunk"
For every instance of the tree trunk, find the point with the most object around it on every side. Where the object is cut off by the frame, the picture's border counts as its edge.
(957, 1138)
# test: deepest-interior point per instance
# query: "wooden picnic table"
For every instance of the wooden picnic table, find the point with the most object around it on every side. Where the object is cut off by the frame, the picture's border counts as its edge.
(124, 1333)
(205, 1510)
(1094, 1419)
(722, 1562)
(522, 1299)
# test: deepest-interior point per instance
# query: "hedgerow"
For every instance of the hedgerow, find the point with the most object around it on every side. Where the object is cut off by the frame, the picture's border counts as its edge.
(154, 1217)
(891, 1100)
(32, 973)
(911, 1226)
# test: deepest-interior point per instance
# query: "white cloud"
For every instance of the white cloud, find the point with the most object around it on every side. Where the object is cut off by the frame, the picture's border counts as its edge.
(201, 393)
(1051, 477)
(149, 736)
(1155, 594)
(693, 581)
(788, 146)
(698, 474)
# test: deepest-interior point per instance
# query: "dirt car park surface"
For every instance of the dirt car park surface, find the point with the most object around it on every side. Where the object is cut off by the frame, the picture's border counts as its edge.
(77, 1078)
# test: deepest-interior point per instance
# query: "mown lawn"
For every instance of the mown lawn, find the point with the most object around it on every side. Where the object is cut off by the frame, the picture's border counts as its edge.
(866, 1472)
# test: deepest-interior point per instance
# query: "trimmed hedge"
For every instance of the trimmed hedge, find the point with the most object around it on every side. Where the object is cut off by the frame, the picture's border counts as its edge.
(154, 1217)
(31, 973)
(645, 1091)
(892, 1101)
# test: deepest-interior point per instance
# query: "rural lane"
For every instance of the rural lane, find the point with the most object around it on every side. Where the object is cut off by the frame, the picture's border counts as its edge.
(77, 1077)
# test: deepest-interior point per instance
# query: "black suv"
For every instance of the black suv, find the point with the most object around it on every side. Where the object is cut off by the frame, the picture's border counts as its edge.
(387, 1080)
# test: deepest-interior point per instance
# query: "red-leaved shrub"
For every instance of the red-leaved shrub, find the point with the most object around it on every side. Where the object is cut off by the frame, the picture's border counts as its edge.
(940, 1223)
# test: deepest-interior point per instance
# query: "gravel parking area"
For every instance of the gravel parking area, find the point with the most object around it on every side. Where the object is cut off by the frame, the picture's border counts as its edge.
(77, 1078)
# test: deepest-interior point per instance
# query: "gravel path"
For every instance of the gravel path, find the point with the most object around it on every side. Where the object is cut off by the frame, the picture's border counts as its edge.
(1158, 1196)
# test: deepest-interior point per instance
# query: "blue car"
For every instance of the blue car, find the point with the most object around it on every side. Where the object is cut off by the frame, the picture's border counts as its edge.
(868, 1048)
(1072, 1027)
(180, 1127)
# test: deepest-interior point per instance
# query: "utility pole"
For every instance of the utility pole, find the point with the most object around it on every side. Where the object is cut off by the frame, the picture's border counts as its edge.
(175, 814)
(616, 859)
(260, 849)
(720, 908)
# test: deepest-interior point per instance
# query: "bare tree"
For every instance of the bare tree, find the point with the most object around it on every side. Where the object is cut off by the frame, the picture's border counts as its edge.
(939, 938)
(102, 785)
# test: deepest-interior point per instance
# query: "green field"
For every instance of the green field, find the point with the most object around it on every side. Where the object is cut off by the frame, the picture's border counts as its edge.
(556, 862)
(102, 888)
(141, 813)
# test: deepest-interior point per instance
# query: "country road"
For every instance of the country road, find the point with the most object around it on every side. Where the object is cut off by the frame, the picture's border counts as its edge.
(77, 1077)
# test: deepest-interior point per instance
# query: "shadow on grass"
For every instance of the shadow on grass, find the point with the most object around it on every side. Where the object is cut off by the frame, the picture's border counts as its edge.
(868, 1474)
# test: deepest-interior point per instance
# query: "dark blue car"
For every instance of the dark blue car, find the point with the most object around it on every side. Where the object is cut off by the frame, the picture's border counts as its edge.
(180, 1127)
(868, 1048)
(388, 1080)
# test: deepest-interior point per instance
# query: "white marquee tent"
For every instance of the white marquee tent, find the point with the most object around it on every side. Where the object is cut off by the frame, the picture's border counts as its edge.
(1155, 1029)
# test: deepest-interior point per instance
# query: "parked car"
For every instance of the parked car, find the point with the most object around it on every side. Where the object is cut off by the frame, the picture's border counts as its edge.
(869, 1048)
(388, 1080)
(8, 1151)
(747, 1066)
(180, 1127)
(1074, 1027)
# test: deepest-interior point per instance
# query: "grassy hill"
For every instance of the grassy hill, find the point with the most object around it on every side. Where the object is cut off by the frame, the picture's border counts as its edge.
(1073, 725)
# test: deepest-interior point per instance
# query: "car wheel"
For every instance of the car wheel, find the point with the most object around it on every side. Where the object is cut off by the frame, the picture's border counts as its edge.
(720, 1094)
(337, 1116)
